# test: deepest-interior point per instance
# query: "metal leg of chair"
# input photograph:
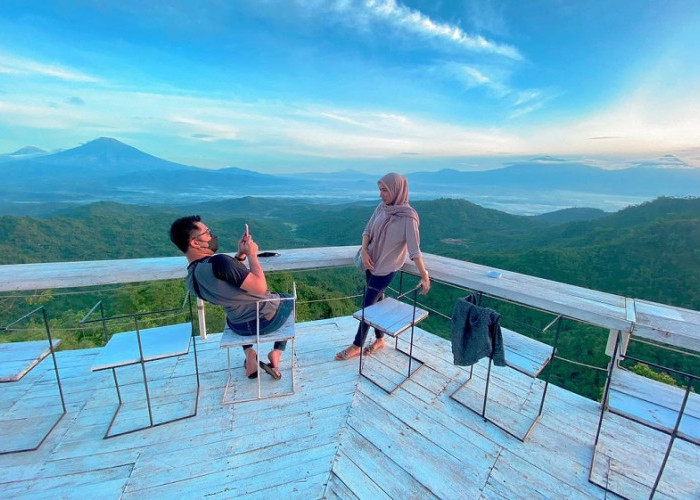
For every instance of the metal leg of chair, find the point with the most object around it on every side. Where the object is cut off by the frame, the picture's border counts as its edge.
(55, 363)
(603, 408)
(196, 371)
(145, 377)
(486, 389)
(674, 433)
(224, 399)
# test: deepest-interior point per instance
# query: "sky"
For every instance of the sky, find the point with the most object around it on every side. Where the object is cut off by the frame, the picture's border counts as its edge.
(284, 86)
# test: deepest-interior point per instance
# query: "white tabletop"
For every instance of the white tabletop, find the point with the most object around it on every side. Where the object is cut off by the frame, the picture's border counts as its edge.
(391, 316)
(18, 358)
(158, 343)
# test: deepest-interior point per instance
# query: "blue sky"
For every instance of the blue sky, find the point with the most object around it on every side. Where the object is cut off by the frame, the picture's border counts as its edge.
(284, 86)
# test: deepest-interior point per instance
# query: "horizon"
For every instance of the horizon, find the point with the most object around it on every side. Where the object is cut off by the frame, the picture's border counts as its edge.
(290, 87)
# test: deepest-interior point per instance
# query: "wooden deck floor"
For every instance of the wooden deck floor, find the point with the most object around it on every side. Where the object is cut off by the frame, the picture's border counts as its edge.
(339, 436)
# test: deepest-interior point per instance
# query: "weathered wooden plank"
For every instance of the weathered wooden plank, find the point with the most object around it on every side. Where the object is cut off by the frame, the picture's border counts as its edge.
(107, 272)
(591, 306)
(654, 403)
(155, 469)
(107, 482)
(157, 343)
(291, 446)
(655, 321)
(668, 324)
(630, 455)
(516, 478)
(336, 489)
(369, 473)
(27, 432)
(309, 486)
(524, 354)
(414, 453)
(391, 316)
(244, 477)
(425, 420)
(18, 358)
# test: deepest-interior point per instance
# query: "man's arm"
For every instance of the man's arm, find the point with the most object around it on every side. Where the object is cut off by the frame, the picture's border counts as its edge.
(255, 282)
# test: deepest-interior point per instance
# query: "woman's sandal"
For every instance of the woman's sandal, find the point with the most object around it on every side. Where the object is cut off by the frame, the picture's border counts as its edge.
(374, 347)
(346, 354)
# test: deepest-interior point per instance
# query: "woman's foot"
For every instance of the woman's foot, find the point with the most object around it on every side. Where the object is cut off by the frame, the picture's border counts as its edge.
(375, 346)
(251, 363)
(347, 353)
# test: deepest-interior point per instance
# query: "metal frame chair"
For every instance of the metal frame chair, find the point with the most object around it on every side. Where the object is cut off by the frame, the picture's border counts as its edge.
(153, 344)
(26, 355)
(287, 332)
(542, 361)
(393, 317)
(652, 413)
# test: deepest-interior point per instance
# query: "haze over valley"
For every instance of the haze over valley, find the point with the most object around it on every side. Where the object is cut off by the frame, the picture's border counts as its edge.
(35, 181)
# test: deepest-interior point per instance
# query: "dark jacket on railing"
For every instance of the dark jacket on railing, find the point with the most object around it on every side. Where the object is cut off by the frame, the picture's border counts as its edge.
(476, 333)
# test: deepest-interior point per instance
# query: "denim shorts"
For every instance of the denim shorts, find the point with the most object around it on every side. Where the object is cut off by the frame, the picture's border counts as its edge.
(266, 325)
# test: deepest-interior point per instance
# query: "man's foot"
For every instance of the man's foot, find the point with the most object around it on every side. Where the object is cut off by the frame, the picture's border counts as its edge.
(272, 368)
(375, 346)
(347, 353)
(251, 363)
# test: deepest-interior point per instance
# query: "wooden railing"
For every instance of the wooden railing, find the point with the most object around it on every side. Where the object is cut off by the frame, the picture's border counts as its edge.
(624, 315)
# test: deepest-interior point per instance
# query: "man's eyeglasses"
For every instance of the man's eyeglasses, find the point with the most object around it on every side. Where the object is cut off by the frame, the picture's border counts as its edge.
(208, 231)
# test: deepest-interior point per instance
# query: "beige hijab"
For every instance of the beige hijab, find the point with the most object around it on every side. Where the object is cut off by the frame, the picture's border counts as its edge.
(398, 207)
(398, 188)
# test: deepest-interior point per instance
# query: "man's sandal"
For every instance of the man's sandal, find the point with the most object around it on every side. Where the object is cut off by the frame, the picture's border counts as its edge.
(271, 370)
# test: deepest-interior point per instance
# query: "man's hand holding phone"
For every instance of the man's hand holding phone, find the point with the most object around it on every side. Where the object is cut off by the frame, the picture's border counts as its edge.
(247, 245)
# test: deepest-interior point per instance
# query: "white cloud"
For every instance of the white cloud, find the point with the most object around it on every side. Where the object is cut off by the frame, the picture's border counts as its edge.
(203, 130)
(415, 22)
(24, 67)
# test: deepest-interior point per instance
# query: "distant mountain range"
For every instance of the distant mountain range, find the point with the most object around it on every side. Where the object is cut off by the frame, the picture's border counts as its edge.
(108, 170)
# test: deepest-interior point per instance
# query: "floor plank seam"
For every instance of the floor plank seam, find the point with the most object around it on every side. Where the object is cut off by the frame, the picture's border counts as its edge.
(491, 469)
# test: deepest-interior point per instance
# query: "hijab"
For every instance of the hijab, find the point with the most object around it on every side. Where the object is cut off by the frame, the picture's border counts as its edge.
(398, 207)
(398, 189)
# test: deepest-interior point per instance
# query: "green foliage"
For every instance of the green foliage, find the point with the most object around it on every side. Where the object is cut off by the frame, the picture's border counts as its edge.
(650, 251)
(645, 371)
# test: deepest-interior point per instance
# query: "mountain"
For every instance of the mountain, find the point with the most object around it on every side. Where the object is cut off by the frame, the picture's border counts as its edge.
(106, 169)
(571, 215)
(23, 153)
(28, 150)
(109, 170)
(101, 156)
(570, 176)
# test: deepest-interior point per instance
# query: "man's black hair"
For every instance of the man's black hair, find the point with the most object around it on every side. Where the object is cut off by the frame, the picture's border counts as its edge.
(181, 231)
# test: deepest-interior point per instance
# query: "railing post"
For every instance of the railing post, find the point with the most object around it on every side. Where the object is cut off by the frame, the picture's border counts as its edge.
(202, 319)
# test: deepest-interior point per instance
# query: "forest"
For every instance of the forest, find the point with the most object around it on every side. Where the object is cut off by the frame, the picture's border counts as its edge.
(650, 251)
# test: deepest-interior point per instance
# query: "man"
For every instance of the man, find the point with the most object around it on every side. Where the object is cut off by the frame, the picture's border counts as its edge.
(227, 282)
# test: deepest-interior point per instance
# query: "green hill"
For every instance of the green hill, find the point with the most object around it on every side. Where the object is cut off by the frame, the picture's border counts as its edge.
(650, 251)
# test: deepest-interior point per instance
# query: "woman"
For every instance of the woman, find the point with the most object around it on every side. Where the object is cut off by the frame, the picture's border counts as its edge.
(390, 234)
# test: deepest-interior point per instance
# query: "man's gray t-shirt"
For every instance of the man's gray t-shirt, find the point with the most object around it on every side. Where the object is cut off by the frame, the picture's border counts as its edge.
(218, 280)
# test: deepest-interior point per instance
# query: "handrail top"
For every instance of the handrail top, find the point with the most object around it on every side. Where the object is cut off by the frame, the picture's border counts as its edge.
(663, 323)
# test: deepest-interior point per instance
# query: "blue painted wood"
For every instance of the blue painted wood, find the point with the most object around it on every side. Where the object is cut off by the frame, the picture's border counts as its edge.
(18, 358)
(337, 427)
(158, 343)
